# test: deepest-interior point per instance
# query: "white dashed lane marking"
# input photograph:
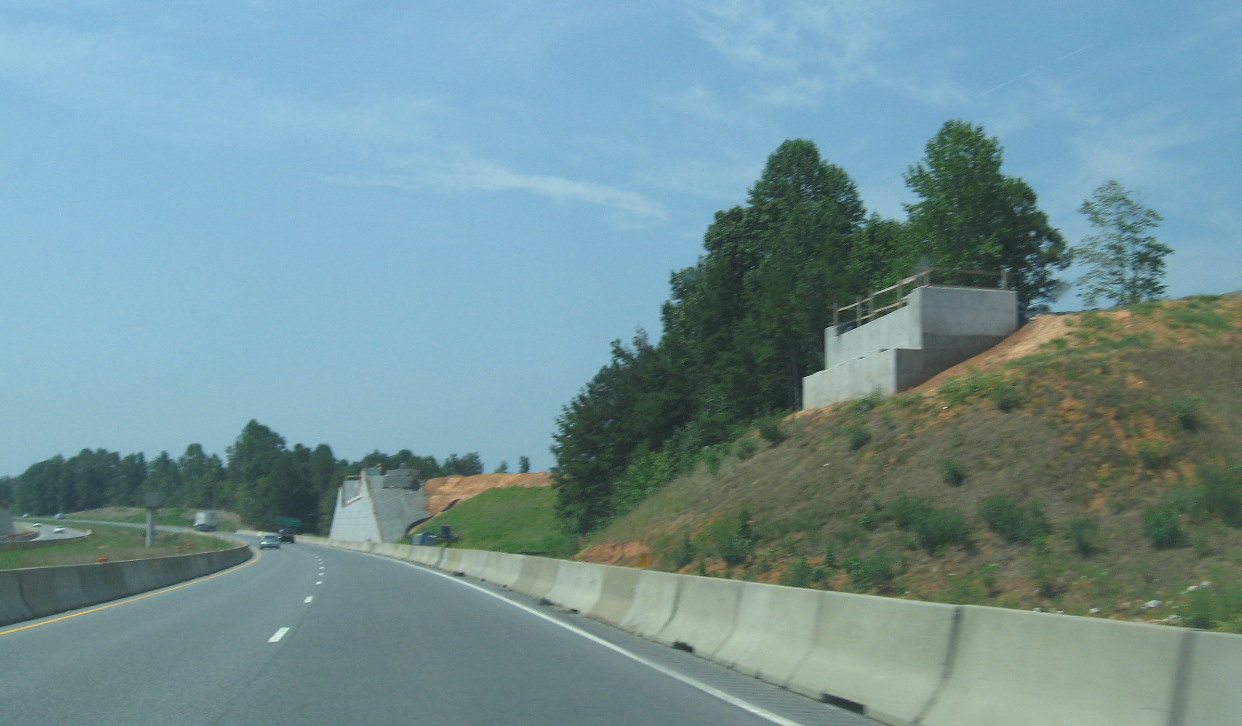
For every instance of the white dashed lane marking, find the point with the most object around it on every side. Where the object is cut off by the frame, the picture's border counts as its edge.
(278, 635)
(308, 599)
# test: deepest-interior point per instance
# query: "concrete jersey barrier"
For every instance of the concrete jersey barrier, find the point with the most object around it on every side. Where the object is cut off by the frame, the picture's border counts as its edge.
(887, 655)
(37, 592)
(899, 661)
(1021, 668)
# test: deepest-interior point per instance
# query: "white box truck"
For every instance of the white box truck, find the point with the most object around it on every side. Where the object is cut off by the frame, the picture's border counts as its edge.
(205, 521)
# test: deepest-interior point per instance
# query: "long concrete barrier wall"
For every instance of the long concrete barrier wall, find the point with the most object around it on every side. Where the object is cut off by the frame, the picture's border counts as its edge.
(36, 592)
(898, 661)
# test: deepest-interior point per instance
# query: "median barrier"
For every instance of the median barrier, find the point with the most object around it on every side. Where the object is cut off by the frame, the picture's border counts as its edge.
(537, 577)
(138, 578)
(1019, 668)
(67, 581)
(13, 609)
(655, 598)
(1209, 691)
(616, 593)
(577, 586)
(886, 654)
(770, 632)
(100, 582)
(704, 616)
(39, 591)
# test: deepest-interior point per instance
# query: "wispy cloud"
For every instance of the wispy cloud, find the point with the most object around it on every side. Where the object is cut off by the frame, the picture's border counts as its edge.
(478, 175)
(802, 51)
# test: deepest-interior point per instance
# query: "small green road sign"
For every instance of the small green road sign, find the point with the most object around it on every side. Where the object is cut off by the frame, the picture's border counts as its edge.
(289, 521)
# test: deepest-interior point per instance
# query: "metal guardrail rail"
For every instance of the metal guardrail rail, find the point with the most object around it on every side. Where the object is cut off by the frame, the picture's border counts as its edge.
(866, 309)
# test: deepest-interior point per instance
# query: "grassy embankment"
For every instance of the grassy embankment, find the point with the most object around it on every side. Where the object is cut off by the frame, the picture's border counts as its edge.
(1092, 475)
(164, 517)
(508, 519)
(115, 543)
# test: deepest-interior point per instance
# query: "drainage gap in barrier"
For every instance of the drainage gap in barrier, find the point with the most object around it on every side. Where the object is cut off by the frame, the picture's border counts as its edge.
(458, 573)
(842, 703)
(545, 601)
(682, 645)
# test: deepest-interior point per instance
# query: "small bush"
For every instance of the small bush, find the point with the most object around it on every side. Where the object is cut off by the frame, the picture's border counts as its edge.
(867, 403)
(1162, 528)
(746, 448)
(905, 510)
(1006, 396)
(1153, 454)
(953, 472)
(933, 528)
(684, 554)
(868, 521)
(1014, 522)
(798, 574)
(942, 528)
(858, 435)
(1186, 411)
(1083, 532)
(740, 543)
(874, 571)
(1222, 493)
(771, 431)
(830, 558)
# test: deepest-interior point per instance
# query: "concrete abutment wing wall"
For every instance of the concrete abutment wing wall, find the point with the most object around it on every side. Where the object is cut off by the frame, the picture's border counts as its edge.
(937, 329)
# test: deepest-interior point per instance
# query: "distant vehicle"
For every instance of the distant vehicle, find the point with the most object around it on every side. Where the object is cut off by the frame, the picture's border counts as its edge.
(269, 542)
(286, 535)
(58, 530)
(205, 521)
(59, 515)
(26, 515)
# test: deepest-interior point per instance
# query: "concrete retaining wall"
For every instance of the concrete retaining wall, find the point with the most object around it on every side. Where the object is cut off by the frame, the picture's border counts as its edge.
(36, 592)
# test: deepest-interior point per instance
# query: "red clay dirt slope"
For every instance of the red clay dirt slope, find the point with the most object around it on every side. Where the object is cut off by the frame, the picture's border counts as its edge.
(445, 491)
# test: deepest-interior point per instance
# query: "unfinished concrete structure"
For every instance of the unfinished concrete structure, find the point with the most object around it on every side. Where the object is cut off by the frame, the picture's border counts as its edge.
(903, 344)
(378, 507)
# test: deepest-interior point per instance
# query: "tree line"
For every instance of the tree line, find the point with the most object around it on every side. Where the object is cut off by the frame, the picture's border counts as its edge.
(260, 478)
(744, 324)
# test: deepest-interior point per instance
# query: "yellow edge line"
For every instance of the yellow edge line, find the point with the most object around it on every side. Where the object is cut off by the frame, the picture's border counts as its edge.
(135, 598)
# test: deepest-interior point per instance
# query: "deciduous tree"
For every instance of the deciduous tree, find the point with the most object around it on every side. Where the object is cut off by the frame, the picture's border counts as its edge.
(1125, 264)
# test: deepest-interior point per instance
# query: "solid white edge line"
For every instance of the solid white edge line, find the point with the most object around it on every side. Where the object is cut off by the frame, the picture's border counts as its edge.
(709, 690)
(278, 635)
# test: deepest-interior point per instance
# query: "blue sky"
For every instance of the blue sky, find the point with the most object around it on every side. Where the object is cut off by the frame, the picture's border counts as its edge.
(386, 225)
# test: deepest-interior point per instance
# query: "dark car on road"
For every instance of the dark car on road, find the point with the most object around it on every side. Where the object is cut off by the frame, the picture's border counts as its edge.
(286, 535)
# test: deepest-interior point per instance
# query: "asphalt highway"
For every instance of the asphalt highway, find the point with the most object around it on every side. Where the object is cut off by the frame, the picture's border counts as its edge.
(314, 635)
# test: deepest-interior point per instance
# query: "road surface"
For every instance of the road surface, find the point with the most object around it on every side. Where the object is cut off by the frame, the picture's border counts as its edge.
(314, 635)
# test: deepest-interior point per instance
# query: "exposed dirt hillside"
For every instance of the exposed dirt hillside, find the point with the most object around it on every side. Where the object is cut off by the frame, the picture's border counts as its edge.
(1091, 463)
(443, 492)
